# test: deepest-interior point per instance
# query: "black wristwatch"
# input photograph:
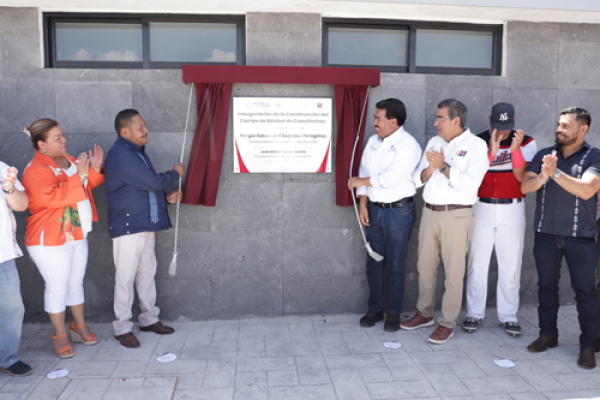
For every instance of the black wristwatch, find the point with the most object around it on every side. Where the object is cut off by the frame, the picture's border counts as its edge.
(9, 191)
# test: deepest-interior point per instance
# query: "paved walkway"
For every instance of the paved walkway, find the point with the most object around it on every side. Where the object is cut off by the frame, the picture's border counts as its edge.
(306, 358)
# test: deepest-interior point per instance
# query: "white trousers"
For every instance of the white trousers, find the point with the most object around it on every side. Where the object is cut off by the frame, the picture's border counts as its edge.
(500, 227)
(135, 263)
(63, 269)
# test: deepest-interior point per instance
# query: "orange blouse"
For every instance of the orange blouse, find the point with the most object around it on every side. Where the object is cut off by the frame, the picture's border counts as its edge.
(53, 198)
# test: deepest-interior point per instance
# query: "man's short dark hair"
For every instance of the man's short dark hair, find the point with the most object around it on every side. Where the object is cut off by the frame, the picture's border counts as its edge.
(582, 116)
(455, 109)
(394, 108)
(123, 119)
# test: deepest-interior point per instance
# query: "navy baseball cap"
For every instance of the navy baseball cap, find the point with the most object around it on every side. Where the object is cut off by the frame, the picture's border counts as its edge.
(503, 117)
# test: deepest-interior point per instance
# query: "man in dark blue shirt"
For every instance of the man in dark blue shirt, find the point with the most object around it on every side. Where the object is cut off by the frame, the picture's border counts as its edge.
(566, 177)
(137, 208)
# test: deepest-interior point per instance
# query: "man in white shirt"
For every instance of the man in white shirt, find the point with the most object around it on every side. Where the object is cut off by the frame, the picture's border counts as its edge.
(12, 197)
(451, 169)
(386, 190)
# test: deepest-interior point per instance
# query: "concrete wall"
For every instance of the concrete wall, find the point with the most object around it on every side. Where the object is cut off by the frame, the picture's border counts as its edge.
(275, 244)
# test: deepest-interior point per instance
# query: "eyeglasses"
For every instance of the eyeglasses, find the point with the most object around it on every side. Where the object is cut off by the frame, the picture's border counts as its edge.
(443, 119)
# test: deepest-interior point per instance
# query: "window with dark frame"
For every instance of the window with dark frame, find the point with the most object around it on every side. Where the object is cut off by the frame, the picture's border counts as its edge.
(413, 46)
(142, 41)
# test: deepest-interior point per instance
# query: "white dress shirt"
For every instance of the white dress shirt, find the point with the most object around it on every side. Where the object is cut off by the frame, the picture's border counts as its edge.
(466, 155)
(389, 163)
(9, 248)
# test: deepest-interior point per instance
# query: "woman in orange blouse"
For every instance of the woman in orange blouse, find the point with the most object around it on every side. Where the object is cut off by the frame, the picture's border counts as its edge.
(62, 210)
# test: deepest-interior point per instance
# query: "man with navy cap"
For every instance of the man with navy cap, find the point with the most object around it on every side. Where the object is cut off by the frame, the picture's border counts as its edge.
(499, 221)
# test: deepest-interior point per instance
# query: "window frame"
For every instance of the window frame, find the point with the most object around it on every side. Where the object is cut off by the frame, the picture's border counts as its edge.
(50, 20)
(411, 27)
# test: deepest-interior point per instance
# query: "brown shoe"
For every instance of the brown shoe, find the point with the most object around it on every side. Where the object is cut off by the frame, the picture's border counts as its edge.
(416, 322)
(158, 327)
(541, 343)
(128, 340)
(587, 359)
(441, 335)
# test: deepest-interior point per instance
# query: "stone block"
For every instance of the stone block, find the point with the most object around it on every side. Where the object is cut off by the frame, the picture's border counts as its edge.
(478, 101)
(264, 22)
(522, 31)
(23, 56)
(402, 390)
(21, 104)
(535, 111)
(243, 297)
(100, 260)
(579, 33)
(251, 385)
(92, 75)
(309, 253)
(193, 258)
(157, 75)
(301, 49)
(312, 370)
(264, 48)
(19, 18)
(101, 300)
(301, 22)
(192, 218)
(324, 294)
(348, 384)
(308, 206)
(413, 98)
(533, 65)
(90, 107)
(195, 298)
(319, 392)
(582, 73)
(33, 299)
(402, 79)
(164, 105)
(246, 254)
(248, 207)
(587, 99)
(497, 385)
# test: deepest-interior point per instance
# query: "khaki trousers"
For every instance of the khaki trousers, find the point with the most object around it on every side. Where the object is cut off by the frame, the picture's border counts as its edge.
(448, 233)
(135, 262)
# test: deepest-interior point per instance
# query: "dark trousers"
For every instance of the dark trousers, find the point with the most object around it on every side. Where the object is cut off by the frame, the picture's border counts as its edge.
(388, 235)
(581, 256)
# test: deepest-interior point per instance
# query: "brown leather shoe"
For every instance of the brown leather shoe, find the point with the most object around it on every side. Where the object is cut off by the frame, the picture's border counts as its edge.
(158, 328)
(441, 335)
(418, 321)
(128, 340)
(587, 359)
(541, 343)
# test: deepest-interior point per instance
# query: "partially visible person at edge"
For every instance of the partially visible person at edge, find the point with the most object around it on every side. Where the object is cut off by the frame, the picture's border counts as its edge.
(566, 177)
(499, 222)
(62, 210)
(386, 190)
(137, 208)
(12, 198)
(451, 169)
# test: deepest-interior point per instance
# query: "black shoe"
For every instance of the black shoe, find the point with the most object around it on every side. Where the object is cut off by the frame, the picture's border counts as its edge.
(471, 324)
(512, 328)
(392, 323)
(18, 369)
(371, 318)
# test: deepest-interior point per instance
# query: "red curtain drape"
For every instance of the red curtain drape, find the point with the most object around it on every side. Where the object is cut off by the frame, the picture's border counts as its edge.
(349, 101)
(204, 168)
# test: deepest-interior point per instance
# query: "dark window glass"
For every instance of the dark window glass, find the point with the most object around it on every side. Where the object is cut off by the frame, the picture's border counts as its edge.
(198, 42)
(351, 46)
(98, 42)
(454, 48)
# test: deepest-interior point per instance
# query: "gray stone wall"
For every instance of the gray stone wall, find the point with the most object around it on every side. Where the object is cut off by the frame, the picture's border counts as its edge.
(275, 244)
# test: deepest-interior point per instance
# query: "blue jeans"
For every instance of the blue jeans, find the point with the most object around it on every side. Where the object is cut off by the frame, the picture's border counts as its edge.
(581, 256)
(388, 235)
(11, 314)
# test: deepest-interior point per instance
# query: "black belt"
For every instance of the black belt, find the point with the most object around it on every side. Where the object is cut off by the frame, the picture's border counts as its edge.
(395, 204)
(491, 200)
(447, 207)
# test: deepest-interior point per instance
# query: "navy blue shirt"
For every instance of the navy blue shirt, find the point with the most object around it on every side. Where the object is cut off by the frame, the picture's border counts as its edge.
(557, 211)
(129, 176)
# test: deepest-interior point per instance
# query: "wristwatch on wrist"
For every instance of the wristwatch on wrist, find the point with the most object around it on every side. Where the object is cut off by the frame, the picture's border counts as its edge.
(443, 168)
(556, 174)
(9, 191)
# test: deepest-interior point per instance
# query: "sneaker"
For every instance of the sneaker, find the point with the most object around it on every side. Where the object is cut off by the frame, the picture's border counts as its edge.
(371, 318)
(512, 328)
(416, 322)
(441, 335)
(471, 324)
(392, 323)
(18, 369)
